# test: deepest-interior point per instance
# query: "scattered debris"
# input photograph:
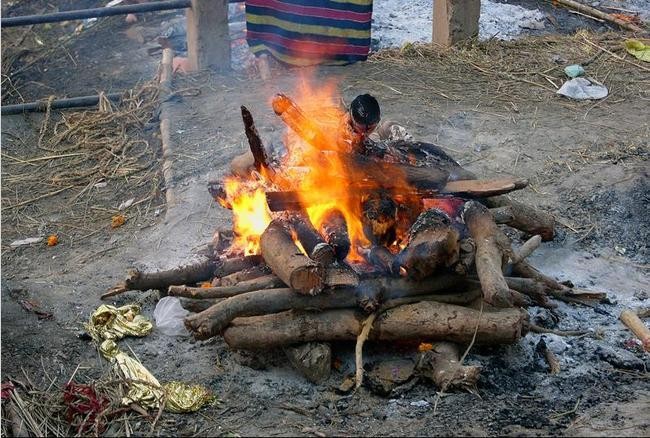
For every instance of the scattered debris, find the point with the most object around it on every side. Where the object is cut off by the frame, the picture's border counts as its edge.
(117, 221)
(574, 70)
(638, 49)
(634, 323)
(312, 359)
(549, 356)
(582, 89)
(52, 240)
(34, 307)
(83, 407)
(169, 315)
(126, 204)
(28, 241)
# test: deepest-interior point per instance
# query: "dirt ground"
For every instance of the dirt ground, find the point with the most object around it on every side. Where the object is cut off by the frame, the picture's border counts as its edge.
(491, 105)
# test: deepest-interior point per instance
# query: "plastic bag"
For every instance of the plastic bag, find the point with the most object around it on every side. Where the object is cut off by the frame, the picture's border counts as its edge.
(581, 89)
(169, 315)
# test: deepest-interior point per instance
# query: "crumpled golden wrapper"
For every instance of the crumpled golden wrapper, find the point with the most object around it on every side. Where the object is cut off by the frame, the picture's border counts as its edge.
(146, 391)
(183, 397)
(144, 388)
(110, 322)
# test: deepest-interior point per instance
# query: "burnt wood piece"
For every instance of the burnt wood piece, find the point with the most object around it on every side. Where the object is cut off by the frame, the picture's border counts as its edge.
(433, 245)
(291, 200)
(526, 218)
(259, 283)
(383, 259)
(427, 320)
(201, 270)
(260, 158)
(379, 218)
(492, 249)
(298, 271)
(442, 366)
(295, 118)
(537, 291)
(229, 265)
(334, 228)
(313, 243)
(477, 188)
(216, 318)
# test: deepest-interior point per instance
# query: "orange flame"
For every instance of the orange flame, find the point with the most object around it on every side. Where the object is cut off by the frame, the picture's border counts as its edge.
(251, 215)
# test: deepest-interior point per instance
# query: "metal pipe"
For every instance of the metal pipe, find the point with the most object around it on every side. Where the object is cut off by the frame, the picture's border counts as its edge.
(95, 12)
(70, 102)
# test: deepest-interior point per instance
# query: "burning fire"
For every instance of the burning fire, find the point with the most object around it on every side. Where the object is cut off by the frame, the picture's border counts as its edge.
(251, 215)
(317, 166)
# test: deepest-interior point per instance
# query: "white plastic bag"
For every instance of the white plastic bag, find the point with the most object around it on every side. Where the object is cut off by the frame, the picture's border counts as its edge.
(581, 89)
(169, 315)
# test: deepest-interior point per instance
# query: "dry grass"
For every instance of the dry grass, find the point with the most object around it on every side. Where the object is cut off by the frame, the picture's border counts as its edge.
(82, 164)
(524, 70)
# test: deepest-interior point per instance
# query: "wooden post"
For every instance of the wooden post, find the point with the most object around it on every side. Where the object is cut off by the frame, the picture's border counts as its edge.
(208, 38)
(455, 20)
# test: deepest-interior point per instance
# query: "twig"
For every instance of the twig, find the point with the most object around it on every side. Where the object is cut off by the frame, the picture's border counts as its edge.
(614, 54)
(358, 349)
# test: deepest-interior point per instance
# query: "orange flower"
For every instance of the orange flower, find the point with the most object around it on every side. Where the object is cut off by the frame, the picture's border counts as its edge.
(52, 240)
(424, 346)
(118, 221)
(205, 284)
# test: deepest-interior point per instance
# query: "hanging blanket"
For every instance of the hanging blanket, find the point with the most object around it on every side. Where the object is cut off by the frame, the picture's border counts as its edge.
(308, 32)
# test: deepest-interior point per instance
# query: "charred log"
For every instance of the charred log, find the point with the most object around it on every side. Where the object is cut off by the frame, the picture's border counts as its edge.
(379, 218)
(260, 283)
(433, 244)
(335, 230)
(313, 243)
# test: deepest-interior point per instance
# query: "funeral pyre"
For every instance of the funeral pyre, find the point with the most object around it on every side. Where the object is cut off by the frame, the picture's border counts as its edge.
(348, 234)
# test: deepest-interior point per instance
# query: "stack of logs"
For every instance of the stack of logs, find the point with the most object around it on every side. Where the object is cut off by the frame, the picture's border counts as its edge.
(457, 281)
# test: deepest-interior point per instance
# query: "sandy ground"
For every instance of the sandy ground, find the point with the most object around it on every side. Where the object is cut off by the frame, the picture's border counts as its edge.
(587, 164)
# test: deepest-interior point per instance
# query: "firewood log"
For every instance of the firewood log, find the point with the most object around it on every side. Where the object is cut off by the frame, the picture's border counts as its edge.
(335, 231)
(442, 366)
(492, 249)
(526, 218)
(213, 320)
(427, 320)
(201, 270)
(245, 275)
(298, 271)
(433, 244)
(230, 265)
(313, 243)
(259, 283)
(340, 276)
(502, 215)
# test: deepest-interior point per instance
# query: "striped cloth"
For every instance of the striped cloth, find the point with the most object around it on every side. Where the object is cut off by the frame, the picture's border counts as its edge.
(309, 32)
